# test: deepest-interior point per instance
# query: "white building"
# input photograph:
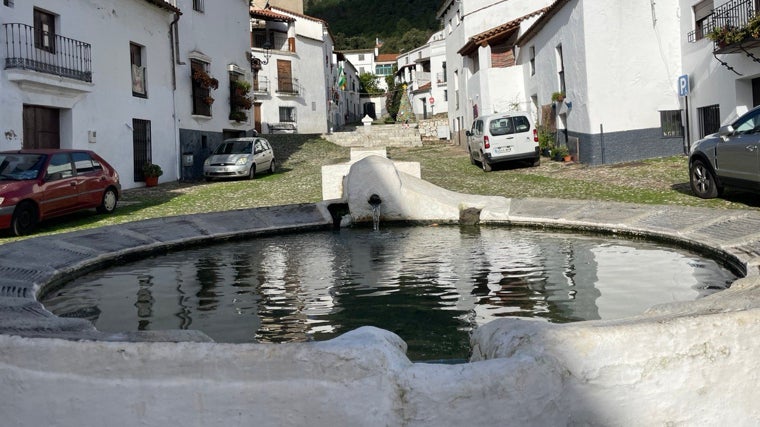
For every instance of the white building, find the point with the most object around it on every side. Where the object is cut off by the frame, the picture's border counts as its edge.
(725, 85)
(423, 70)
(380, 65)
(297, 76)
(78, 76)
(479, 81)
(87, 74)
(213, 41)
(617, 63)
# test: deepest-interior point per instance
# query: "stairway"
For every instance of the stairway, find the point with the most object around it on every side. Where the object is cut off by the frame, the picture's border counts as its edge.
(395, 135)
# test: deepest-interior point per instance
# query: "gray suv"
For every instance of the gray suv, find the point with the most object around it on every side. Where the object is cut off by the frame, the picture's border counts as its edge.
(730, 157)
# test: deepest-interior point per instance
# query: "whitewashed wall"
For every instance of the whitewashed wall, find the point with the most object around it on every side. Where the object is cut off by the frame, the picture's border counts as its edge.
(620, 79)
(106, 106)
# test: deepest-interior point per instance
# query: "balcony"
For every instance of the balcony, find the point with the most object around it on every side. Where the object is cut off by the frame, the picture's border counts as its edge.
(28, 49)
(288, 86)
(260, 86)
(733, 26)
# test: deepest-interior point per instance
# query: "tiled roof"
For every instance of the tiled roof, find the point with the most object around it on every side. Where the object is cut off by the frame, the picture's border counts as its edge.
(386, 57)
(300, 15)
(497, 33)
(424, 88)
(269, 15)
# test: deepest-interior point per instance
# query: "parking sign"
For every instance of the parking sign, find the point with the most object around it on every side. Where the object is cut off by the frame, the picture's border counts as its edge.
(683, 85)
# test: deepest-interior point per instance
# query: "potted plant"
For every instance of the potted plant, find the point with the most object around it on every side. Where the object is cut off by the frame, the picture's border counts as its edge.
(562, 153)
(151, 172)
(558, 96)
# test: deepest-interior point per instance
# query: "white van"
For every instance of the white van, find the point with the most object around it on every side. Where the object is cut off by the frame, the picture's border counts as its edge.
(504, 137)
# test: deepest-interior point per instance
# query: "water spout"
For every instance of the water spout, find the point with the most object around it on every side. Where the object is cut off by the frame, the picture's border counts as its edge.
(374, 201)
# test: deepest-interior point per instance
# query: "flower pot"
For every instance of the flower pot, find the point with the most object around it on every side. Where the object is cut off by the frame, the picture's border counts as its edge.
(567, 158)
(151, 181)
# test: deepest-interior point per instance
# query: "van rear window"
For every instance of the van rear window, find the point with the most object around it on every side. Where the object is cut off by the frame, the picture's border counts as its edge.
(509, 125)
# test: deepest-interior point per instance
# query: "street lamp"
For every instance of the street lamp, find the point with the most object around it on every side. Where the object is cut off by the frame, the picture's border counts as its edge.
(256, 63)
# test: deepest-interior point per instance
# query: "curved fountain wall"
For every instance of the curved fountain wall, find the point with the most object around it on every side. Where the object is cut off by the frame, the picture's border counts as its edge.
(687, 363)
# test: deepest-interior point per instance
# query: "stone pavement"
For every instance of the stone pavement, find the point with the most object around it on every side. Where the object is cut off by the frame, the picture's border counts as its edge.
(41, 263)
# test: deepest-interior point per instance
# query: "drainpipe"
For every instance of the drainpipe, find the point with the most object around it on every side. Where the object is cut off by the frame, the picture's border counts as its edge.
(174, 46)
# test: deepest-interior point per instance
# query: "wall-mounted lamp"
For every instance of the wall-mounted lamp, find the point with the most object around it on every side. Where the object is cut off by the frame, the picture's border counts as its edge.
(256, 63)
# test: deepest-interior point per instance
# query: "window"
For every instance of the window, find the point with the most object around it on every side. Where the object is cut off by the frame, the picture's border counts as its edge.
(202, 99)
(361, 57)
(702, 13)
(560, 69)
(138, 71)
(384, 69)
(287, 114)
(60, 167)
(709, 120)
(198, 5)
(141, 147)
(8, 3)
(670, 122)
(532, 60)
(85, 164)
(748, 124)
(44, 30)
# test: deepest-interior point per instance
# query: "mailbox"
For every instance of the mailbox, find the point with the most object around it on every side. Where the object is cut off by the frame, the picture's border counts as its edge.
(187, 159)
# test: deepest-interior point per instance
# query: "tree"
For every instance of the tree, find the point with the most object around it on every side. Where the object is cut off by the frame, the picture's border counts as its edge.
(369, 84)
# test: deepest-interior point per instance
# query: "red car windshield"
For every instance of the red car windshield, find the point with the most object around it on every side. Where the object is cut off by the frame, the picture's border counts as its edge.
(17, 167)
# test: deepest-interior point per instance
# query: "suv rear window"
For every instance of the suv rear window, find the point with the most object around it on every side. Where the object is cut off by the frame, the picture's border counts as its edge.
(509, 125)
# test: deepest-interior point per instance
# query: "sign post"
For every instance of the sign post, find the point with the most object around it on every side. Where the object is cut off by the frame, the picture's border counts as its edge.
(683, 90)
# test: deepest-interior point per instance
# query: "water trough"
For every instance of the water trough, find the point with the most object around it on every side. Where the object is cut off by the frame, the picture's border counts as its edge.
(683, 363)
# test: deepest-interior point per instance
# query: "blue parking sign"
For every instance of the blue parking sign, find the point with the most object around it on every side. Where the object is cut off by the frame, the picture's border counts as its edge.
(683, 85)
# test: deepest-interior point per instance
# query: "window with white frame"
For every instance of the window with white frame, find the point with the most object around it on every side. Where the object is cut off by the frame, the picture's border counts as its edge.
(384, 69)
(532, 51)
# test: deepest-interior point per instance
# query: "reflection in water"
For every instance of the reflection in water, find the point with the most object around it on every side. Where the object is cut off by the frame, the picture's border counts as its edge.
(430, 285)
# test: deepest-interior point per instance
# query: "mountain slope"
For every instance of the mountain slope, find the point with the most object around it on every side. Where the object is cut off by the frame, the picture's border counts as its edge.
(400, 24)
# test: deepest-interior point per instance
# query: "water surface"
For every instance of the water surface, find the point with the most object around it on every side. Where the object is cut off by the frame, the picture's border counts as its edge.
(430, 285)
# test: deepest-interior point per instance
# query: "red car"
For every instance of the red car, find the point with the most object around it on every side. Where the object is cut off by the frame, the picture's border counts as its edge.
(40, 184)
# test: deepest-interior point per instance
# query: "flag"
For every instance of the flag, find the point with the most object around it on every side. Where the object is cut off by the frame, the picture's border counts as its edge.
(341, 78)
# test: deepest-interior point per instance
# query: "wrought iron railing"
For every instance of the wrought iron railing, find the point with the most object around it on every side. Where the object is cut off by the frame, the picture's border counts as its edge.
(261, 86)
(732, 14)
(59, 55)
(288, 86)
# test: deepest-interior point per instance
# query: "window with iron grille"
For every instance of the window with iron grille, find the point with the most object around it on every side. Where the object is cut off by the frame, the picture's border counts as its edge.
(138, 71)
(44, 30)
(287, 114)
(198, 5)
(670, 123)
(709, 120)
(140, 147)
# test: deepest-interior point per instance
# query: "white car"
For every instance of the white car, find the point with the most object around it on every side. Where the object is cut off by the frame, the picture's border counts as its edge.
(240, 158)
(504, 137)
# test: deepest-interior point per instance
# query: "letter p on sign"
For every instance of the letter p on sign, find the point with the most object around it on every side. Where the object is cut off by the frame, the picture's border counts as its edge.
(683, 85)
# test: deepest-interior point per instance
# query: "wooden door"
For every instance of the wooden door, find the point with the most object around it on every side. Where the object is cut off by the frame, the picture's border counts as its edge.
(41, 127)
(284, 76)
(257, 117)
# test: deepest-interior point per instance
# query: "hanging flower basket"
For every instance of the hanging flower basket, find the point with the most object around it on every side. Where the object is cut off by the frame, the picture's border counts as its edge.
(203, 79)
(208, 100)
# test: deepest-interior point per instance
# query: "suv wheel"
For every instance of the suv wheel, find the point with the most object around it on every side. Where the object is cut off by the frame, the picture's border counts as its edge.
(702, 181)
